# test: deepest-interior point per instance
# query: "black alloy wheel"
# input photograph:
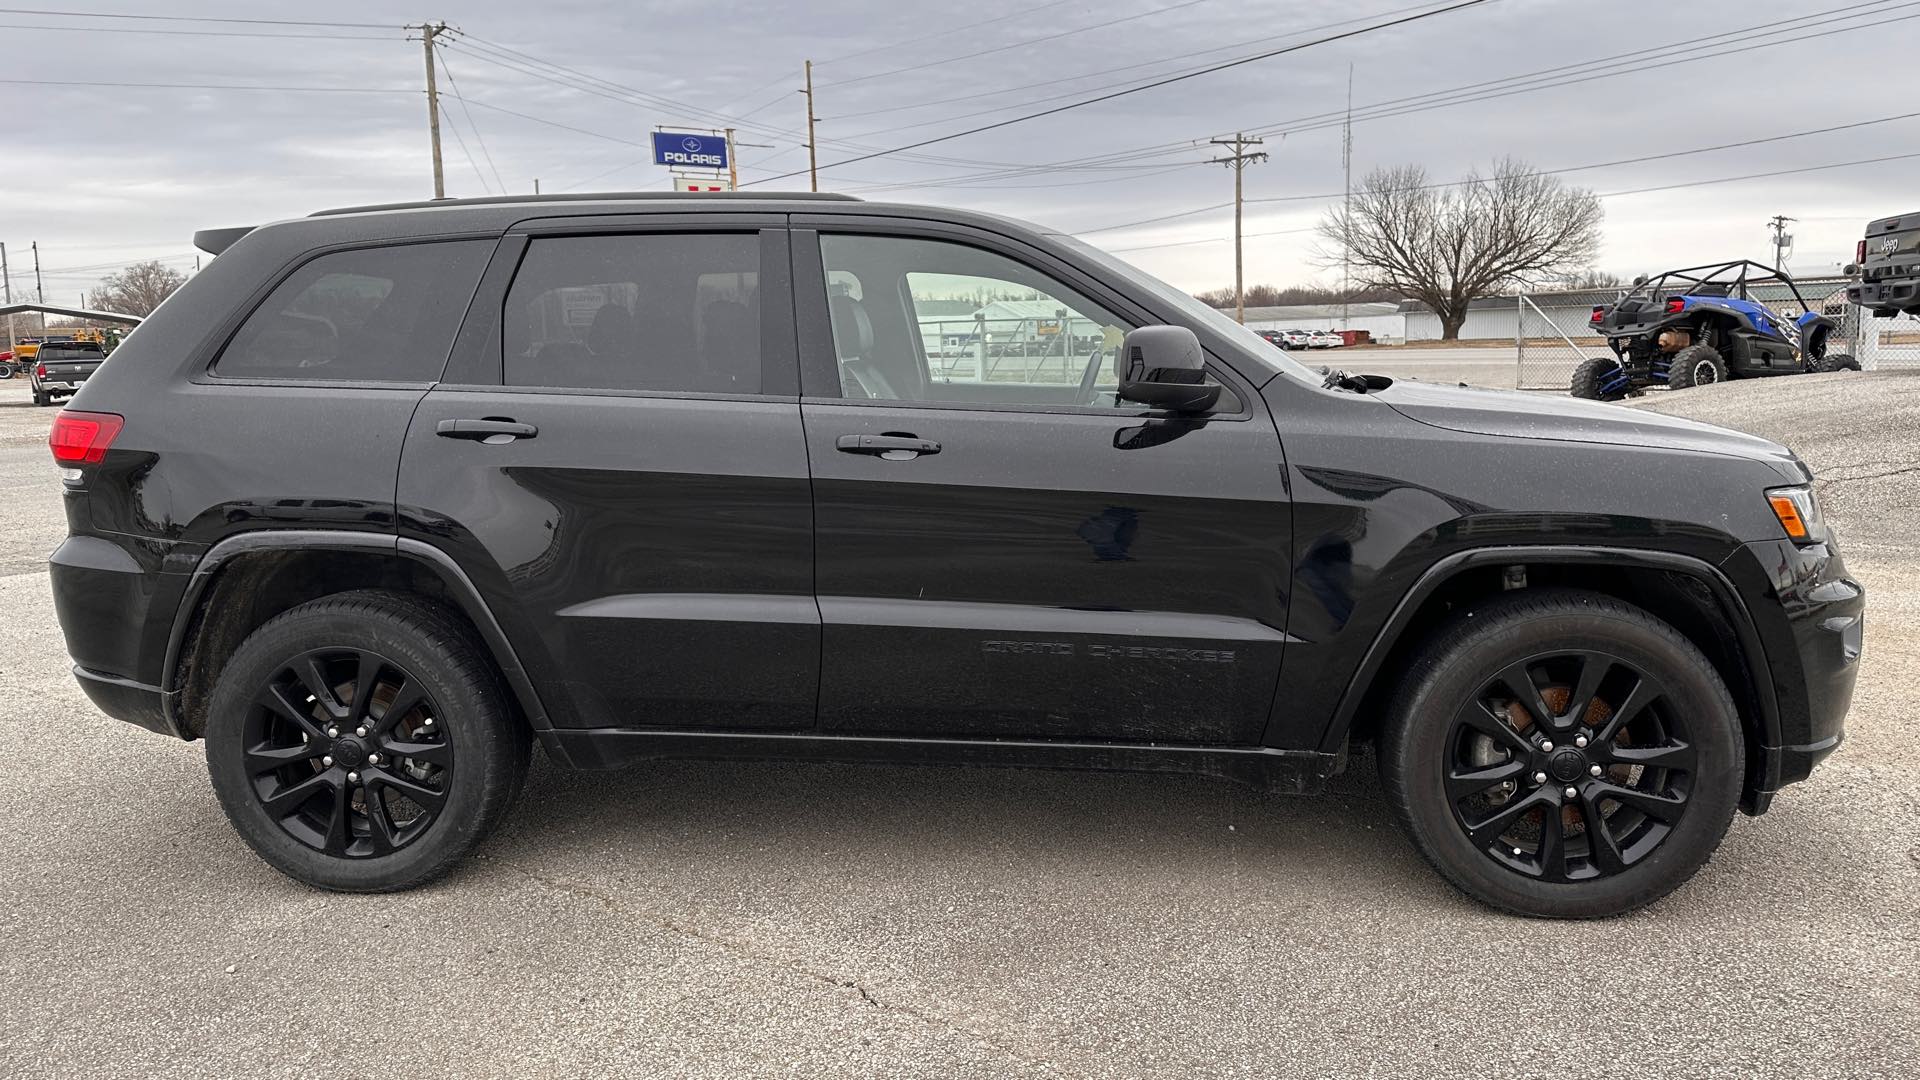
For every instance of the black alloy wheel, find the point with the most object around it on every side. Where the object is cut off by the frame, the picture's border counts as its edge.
(1562, 753)
(348, 753)
(1569, 766)
(364, 741)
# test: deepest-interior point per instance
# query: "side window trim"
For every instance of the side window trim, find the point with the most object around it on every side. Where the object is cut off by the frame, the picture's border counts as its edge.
(203, 369)
(819, 364)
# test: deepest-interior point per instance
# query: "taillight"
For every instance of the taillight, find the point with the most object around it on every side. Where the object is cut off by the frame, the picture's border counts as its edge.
(1860, 252)
(40, 372)
(1676, 305)
(83, 438)
(1598, 313)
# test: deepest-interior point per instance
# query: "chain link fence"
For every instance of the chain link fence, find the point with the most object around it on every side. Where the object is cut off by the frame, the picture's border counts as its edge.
(1547, 344)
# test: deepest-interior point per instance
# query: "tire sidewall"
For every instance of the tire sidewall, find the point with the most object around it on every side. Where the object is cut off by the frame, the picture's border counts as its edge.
(467, 711)
(1694, 690)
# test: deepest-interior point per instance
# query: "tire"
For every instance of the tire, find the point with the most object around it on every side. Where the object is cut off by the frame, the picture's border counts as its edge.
(1686, 736)
(42, 398)
(1696, 365)
(1837, 362)
(1593, 374)
(6, 371)
(472, 765)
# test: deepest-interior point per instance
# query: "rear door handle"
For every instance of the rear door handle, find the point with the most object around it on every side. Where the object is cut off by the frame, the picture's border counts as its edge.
(493, 430)
(893, 447)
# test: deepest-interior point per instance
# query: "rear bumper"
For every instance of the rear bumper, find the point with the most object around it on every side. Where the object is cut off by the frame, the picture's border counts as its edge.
(1813, 628)
(1898, 293)
(114, 606)
(123, 699)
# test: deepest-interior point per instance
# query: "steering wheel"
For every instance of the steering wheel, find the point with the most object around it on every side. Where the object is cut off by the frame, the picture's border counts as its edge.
(1089, 395)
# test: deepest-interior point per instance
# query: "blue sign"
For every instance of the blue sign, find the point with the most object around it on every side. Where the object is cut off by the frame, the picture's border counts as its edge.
(683, 151)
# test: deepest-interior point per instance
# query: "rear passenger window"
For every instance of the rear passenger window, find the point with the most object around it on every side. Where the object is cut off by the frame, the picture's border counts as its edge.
(658, 311)
(384, 314)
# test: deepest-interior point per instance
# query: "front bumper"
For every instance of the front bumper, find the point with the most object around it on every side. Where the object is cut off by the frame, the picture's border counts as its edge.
(1812, 627)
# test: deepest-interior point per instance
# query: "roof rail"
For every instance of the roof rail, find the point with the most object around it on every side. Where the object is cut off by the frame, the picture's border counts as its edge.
(596, 196)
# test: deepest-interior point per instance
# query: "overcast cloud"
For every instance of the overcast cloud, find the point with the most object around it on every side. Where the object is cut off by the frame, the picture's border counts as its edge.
(103, 174)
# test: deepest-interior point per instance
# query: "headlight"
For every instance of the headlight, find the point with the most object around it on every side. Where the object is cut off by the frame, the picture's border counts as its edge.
(1799, 513)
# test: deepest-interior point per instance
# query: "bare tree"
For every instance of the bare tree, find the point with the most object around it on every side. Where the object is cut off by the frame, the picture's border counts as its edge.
(1592, 279)
(137, 290)
(1448, 245)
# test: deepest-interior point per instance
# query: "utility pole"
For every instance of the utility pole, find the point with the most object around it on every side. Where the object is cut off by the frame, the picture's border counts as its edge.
(6, 279)
(536, 185)
(1782, 240)
(1346, 209)
(733, 165)
(813, 157)
(1238, 163)
(39, 294)
(429, 31)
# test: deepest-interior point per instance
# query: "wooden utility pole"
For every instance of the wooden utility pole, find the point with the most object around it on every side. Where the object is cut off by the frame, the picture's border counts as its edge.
(1238, 163)
(39, 294)
(813, 157)
(733, 165)
(6, 278)
(429, 31)
(1781, 241)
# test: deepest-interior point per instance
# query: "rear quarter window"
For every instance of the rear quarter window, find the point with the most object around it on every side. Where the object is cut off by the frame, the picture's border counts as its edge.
(385, 314)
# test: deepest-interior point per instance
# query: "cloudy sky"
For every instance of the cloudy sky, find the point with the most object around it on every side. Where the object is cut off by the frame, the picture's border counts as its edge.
(266, 120)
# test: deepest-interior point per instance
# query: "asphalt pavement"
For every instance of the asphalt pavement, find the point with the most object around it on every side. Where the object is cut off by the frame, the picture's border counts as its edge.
(729, 920)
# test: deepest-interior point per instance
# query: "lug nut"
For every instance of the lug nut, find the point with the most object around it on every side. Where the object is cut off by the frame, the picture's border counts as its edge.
(1546, 744)
(360, 731)
(1539, 778)
(1517, 851)
(1580, 741)
(354, 778)
(374, 759)
(1595, 770)
(327, 760)
(428, 722)
(333, 733)
(1572, 793)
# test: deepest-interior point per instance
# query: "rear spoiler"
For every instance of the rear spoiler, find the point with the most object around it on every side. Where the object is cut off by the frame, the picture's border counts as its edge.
(215, 241)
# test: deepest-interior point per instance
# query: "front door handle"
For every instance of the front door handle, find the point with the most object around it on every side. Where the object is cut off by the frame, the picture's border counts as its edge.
(892, 447)
(492, 430)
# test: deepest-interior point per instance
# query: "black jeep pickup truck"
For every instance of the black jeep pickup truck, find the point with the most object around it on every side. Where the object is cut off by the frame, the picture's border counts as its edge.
(61, 367)
(386, 494)
(1888, 267)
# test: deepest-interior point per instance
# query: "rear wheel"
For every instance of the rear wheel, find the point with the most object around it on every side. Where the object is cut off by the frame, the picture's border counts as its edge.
(42, 397)
(1563, 754)
(362, 742)
(1696, 365)
(1602, 378)
(1836, 362)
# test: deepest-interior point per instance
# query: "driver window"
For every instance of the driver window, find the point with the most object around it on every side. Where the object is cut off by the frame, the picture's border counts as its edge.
(928, 320)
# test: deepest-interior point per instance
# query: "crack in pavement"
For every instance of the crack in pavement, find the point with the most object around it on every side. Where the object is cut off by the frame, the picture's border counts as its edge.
(747, 951)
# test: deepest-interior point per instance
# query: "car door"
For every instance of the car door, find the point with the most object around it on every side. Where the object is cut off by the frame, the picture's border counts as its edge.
(1002, 550)
(616, 460)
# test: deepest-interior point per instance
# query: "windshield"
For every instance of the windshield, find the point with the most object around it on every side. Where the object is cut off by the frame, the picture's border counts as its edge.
(1256, 346)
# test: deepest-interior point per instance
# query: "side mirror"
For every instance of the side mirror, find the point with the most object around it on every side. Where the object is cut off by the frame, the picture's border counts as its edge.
(1163, 367)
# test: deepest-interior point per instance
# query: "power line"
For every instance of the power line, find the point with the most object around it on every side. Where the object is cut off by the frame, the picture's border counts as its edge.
(215, 86)
(454, 85)
(543, 120)
(195, 18)
(1011, 45)
(1760, 175)
(194, 33)
(1461, 5)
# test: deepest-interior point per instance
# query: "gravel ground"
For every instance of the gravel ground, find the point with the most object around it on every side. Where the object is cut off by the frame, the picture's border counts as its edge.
(785, 920)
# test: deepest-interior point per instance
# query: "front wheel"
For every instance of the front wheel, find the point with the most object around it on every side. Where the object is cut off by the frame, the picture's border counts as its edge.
(6, 370)
(1602, 378)
(1836, 362)
(1562, 754)
(363, 742)
(1696, 365)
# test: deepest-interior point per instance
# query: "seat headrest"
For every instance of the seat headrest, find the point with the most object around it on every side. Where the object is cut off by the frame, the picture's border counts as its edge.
(852, 330)
(612, 329)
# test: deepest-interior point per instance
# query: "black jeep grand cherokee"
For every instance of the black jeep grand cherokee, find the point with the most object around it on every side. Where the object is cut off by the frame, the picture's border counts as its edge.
(386, 493)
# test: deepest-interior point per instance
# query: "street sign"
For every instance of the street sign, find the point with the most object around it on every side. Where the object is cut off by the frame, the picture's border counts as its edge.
(684, 151)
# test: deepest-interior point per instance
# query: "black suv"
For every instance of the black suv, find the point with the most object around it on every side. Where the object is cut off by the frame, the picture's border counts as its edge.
(386, 493)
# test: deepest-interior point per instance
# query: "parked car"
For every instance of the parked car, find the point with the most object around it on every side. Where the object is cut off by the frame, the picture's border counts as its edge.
(385, 494)
(1704, 325)
(61, 366)
(1888, 264)
(1324, 339)
(1276, 338)
(1298, 339)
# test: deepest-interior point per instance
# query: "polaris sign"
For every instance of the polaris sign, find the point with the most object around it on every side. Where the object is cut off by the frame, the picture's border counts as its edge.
(683, 151)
